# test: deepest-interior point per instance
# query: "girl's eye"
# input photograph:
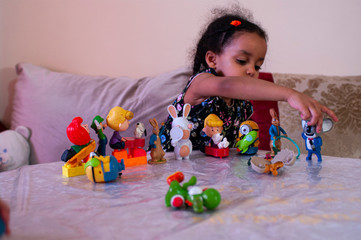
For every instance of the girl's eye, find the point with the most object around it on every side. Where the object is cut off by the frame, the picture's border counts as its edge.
(258, 68)
(242, 62)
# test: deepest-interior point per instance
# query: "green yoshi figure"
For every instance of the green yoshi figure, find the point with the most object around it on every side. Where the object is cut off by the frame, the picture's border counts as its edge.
(178, 196)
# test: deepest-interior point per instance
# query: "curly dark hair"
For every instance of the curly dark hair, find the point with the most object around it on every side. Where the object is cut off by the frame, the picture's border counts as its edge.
(220, 32)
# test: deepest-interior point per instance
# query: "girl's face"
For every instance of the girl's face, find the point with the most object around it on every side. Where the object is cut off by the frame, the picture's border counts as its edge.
(243, 56)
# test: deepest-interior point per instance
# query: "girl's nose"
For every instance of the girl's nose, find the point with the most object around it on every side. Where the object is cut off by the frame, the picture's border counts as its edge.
(251, 71)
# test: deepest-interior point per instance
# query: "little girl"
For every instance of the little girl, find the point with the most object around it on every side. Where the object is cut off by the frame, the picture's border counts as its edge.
(227, 61)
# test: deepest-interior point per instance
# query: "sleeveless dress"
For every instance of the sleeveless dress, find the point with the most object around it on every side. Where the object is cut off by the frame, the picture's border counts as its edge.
(232, 116)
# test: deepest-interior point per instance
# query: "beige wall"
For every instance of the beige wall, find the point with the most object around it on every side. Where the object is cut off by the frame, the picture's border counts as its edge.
(140, 38)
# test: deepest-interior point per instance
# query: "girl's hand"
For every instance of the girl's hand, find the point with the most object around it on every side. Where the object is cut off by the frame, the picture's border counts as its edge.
(310, 109)
(5, 216)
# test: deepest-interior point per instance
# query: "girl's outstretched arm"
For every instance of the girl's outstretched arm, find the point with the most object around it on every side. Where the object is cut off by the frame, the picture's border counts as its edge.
(207, 85)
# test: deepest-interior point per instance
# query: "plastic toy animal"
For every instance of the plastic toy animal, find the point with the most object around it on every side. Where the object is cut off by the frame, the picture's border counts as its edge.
(179, 196)
(140, 130)
(102, 169)
(15, 148)
(180, 132)
(156, 150)
(248, 140)
(275, 131)
(313, 141)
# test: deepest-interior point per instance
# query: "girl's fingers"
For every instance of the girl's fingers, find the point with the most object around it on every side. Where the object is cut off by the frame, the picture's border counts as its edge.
(330, 113)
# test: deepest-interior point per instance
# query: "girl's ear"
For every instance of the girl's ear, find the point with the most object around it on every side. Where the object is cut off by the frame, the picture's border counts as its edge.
(211, 59)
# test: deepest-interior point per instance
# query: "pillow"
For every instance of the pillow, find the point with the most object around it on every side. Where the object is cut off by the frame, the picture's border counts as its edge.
(47, 101)
(342, 95)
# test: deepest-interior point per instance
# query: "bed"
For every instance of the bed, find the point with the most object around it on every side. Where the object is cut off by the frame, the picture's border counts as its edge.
(312, 199)
(308, 200)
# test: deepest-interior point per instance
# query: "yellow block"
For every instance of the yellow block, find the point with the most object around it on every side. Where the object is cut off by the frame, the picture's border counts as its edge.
(73, 171)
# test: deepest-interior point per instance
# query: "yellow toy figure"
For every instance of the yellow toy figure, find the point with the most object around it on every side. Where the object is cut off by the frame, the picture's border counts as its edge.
(118, 120)
(128, 148)
(213, 127)
(102, 169)
(248, 140)
(217, 145)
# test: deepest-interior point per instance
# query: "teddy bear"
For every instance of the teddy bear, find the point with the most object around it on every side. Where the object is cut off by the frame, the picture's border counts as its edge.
(15, 148)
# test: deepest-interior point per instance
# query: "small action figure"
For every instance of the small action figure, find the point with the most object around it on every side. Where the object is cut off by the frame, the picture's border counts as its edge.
(156, 150)
(213, 127)
(271, 165)
(130, 149)
(180, 132)
(275, 131)
(78, 134)
(179, 196)
(248, 140)
(313, 141)
(118, 120)
(98, 127)
(102, 169)
(217, 145)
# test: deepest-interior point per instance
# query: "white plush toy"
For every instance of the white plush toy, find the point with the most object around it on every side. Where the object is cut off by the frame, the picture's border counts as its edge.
(15, 150)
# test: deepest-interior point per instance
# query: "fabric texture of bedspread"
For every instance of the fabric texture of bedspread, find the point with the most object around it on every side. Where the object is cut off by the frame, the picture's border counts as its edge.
(309, 200)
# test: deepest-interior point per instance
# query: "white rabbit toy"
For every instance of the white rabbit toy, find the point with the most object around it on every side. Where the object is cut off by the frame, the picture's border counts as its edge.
(180, 132)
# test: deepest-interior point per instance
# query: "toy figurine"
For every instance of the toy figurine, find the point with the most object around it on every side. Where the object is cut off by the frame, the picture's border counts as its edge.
(130, 149)
(98, 126)
(118, 120)
(275, 131)
(178, 196)
(102, 169)
(78, 154)
(248, 140)
(140, 130)
(217, 145)
(313, 141)
(180, 132)
(271, 165)
(79, 135)
(213, 127)
(156, 151)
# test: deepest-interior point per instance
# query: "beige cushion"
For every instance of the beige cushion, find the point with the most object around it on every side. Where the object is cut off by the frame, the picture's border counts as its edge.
(342, 95)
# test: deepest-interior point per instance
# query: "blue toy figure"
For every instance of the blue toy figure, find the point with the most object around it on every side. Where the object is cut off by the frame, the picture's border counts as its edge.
(102, 169)
(313, 141)
(275, 131)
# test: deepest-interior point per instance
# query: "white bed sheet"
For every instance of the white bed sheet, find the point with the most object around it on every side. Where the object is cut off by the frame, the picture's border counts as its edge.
(307, 200)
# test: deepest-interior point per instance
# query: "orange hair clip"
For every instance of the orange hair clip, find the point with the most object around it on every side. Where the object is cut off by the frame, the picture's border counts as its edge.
(236, 23)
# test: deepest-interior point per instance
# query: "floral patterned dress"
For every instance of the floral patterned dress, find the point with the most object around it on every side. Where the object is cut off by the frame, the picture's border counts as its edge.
(232, 116)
